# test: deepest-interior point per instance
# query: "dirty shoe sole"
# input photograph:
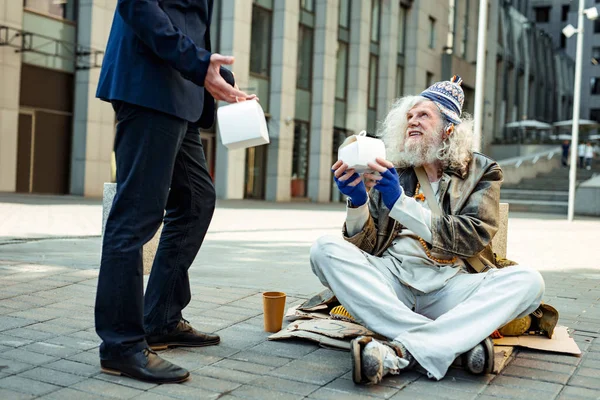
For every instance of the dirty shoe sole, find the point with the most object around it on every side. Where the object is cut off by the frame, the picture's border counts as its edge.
(119, 373)
(165, 346)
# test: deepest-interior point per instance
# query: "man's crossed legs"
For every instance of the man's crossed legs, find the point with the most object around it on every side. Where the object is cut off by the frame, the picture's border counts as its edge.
(434, 327)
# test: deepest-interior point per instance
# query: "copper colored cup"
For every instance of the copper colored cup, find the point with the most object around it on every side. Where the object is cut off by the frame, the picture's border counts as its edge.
(273, 307)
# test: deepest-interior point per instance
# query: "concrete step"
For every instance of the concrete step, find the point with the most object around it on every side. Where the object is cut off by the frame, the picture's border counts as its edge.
(537, 206)
(540, 195)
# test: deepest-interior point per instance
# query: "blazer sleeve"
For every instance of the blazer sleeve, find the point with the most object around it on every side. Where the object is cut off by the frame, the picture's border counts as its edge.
(472, 229)
(155, 29)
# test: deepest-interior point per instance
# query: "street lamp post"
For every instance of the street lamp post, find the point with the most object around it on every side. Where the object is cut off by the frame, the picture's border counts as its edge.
(568, 31)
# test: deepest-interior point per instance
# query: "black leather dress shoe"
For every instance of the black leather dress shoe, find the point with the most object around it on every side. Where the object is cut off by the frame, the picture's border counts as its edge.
(146, 366)
(182, 336)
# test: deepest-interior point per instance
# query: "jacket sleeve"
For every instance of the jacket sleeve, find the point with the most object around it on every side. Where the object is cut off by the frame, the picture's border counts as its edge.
(468, 232)
(155, 29)
(366, 239)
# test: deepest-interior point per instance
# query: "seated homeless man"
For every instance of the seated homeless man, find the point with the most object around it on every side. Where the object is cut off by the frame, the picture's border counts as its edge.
(401, 269)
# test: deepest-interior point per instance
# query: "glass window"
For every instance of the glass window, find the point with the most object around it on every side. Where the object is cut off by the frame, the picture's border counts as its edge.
(595, 114)
(595, 55)
(542, 13)
(401, 29)
(465, 38)
(305, 43)
(431, 33)
(597, 26)
(565, 12)
(300, 153)
(344, 14)
(268, 4)
(428, 79)
(399, 81)
(58, 8)
(307, 5)
(341, 69)
(260, 40)
(595, 85)
(373, 81)
(375, 15)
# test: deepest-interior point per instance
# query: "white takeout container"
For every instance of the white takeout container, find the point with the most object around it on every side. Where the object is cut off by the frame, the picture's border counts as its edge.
(358, 150)
(242, 125)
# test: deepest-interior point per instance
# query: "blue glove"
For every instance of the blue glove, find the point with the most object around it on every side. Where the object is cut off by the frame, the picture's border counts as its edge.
(389, 187)
(357, 194)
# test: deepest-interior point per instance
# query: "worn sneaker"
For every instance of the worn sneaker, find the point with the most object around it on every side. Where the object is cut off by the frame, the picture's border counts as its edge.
(480, 359)
(373, 359)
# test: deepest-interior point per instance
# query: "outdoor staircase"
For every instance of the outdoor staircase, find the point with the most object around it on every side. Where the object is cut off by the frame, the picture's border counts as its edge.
(547, 193)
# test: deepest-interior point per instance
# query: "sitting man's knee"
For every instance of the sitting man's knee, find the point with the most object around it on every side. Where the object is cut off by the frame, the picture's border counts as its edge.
(531, 281)
(323, 247)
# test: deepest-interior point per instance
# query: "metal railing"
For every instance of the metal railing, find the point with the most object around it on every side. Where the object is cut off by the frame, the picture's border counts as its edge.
(531, 158)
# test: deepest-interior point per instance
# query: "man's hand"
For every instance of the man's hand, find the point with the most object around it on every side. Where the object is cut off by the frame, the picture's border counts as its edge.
(387, 182)
(349, 183)
(218, 87)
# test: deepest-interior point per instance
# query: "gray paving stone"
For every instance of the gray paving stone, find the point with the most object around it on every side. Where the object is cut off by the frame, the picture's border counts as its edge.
(28, 356)
(29, 334)
(107, 389)
(124, 381)
(286, 348)
(259, 393)
(28, 386)
(13, 367)
(183, 392)
(190, 361)
(51, 349)
(51, 376)
(12, 341)
(74, 342)
(32, 314)
(242, 336)
(8, 323)
(589, 372)
(586, 382)
(551, 358)
(86, 335)
(591, 363)
(285, 385)
(571, 392)
(529, 384)
(86, 357)
(12, 395)
(73, 367)
(244, 366)
(306, 374)
(518, 393)
(543, 365)
(212, 384)
(57, 330)
(345, 387)
(536, 374)
(155, 396)
(220, 351)
(226, 374)
(73, 323)
(260, 358)
(330, 394)
(71, 394)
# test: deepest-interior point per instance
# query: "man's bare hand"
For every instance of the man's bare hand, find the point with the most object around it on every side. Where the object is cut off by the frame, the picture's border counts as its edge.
(218, 87)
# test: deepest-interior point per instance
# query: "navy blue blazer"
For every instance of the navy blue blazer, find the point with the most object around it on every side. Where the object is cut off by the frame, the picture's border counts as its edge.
(157, 56)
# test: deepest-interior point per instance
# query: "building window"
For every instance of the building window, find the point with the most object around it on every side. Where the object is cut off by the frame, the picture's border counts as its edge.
(597, 26)
(565, 12)
(595, 114)
(542, 14)
(373, 61)
(465, 38)
(307, 5)
(341, 69)
(402, 30)
(431, 33)
(344, 14)
(305, 45)
(300, 158)
(375, 18)
(595, 85)
(399, 81)
(595, 55)
(563, 41)
(261, 41)
(428, 79)
(57, 8)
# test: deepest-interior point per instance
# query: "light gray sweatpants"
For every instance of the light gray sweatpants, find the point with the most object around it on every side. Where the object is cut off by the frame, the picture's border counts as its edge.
(435, 327)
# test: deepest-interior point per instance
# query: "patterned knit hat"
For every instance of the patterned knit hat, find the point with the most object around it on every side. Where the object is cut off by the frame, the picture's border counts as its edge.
(448, 96)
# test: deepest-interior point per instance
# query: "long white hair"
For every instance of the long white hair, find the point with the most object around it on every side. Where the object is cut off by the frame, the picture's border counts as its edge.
(455, 150)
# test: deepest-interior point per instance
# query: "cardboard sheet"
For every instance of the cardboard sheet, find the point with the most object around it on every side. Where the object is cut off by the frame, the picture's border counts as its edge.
(561, 342)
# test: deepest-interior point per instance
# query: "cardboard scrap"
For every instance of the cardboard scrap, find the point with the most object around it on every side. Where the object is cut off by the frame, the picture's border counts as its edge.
(561, 342)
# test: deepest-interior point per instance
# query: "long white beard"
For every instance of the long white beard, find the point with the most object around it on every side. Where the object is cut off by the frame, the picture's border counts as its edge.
(419, 152)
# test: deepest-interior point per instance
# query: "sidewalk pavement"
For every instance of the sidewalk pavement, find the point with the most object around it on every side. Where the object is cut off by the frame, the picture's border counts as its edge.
(49, 255)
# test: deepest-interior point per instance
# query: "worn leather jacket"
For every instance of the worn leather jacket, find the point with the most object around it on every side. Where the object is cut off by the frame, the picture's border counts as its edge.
(470, 201)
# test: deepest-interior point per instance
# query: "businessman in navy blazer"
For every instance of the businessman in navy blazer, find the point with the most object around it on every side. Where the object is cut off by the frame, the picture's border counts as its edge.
(162, 80)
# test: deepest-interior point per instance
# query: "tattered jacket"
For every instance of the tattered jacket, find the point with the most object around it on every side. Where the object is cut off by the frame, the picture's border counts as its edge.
(470, 201)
